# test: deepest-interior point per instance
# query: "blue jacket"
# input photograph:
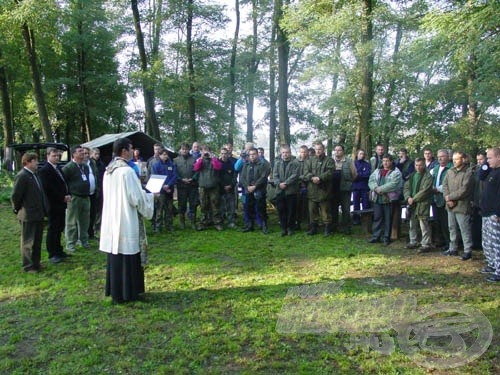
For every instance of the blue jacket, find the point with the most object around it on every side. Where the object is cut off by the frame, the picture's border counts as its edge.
(168, 169)
(364, 170)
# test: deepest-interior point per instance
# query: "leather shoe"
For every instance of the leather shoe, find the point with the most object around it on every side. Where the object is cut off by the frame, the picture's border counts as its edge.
(493, 278)
(467, 256)
(450, 252)
(247, 228)
(373, 240)
(55, 259)
(411, 246)
(487, 269)
(387, 242)
(424, 249)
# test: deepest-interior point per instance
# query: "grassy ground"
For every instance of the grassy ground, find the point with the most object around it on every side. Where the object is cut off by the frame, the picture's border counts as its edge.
(213, 302)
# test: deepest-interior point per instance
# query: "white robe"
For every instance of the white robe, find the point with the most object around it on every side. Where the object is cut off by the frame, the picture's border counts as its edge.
(124, 198)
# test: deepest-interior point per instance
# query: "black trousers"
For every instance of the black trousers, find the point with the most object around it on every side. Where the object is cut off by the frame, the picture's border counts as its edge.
(442, 220)
(342, 199)
(256, 206)
(55, 228)
(476, 228)
(286, 205)
(94, 206)
(187, 195)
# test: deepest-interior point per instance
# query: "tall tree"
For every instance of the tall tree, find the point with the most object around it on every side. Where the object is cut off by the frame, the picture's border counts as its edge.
(283, 57)
(191, 73)
(7, 122)
(273, 97)
(232, 75)
(388, 121)
(362, 137)
(252, 67)
(467, 33)
(152, 125)
(82, 73)
(36, 81)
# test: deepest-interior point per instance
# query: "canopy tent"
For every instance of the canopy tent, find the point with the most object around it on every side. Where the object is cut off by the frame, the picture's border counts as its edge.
(139, 140)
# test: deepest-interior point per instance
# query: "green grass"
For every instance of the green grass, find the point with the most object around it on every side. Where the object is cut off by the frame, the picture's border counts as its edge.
(212, 306)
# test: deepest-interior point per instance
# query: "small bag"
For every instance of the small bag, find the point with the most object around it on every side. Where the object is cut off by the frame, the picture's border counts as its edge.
(394, 195)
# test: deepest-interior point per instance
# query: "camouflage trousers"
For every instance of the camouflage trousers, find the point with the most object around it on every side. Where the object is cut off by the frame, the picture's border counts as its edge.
(491, 243)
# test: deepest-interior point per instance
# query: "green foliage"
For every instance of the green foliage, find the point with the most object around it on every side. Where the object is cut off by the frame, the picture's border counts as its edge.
(62, 33)
(6, 184)
(420, 89)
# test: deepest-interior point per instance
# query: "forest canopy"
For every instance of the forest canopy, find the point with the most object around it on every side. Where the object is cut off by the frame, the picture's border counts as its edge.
(403, 73)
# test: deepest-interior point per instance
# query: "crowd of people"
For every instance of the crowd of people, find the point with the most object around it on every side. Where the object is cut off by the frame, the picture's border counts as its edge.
(449, 201)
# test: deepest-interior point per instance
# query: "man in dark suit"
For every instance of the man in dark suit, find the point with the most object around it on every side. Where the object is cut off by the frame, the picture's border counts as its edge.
(28, 202)
(58, 196)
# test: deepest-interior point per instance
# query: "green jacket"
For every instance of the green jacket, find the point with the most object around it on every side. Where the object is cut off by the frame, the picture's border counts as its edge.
(349, 174)
(302, 169)
(260, 174)
(423, 196)
(324, 170)
(290, 176)
(458, 185)
(184, 170)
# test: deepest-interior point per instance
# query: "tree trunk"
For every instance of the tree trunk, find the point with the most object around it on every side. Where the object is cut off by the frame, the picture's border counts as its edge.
(252, 72)
(152, 126)
(389, 122)
(273, 98)
(29, 39)
(8, 128)
(232, 76)
(331, 112)
(191, 77)
(82, 86)
(283, 57)
(362, 137)
(472, 107)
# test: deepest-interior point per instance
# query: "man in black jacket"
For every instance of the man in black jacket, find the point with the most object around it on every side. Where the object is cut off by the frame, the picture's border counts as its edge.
(228, 180)
(490, 210)
(58, 196)
(28, 202)
(254, 180)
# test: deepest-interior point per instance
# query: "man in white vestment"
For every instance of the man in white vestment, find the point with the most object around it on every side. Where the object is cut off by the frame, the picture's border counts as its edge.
(124, 199)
